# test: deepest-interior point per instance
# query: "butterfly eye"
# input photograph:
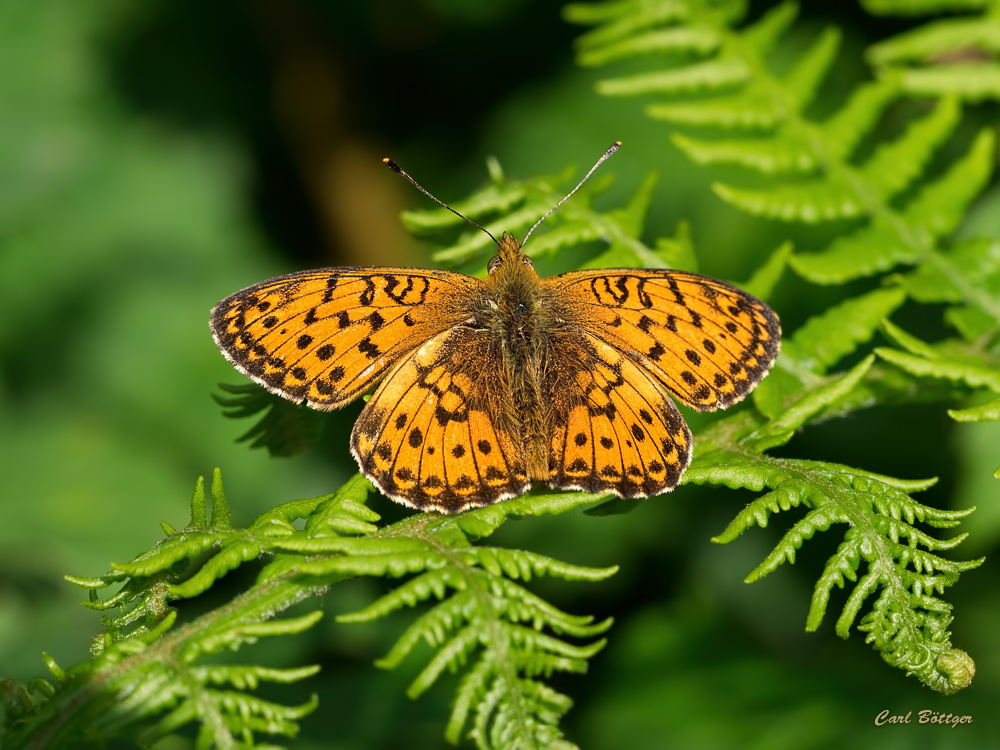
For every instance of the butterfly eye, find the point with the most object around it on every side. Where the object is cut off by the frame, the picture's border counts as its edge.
(494, 262)
(527, 261)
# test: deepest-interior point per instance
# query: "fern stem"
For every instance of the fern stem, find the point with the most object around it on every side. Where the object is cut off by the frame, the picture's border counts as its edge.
(119, 669)
(497, 637)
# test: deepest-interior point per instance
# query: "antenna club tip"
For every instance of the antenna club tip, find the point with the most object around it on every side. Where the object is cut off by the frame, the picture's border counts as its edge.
(386, 160)
(618, 143)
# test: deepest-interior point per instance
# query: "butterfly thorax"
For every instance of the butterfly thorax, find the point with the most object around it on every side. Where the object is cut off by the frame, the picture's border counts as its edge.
(518, 316)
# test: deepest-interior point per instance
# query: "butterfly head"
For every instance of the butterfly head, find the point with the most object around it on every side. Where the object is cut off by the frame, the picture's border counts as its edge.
(509, 255)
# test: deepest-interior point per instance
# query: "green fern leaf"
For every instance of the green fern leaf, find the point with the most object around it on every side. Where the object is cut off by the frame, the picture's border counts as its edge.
(887, 241)
(973, 82)
(949, 368)
(485, 617)
(695, 40)
(956, 56)
(621, 18)
(780, 155)
(976, 261)
(987, 412)
(918, 7)
(498, 197)
(575, 223)
(896, 165)
(971, 322)
(477, 619)
(807, 74)
(937, 39)
(621, 228)
(780, 429)
(199, 510)
(822, 341)
(903, 578)
(827, 338)
(714, 75)
(808, 202)
(751, 109)
(948, 360)
(866, 252)
(941, 204)
(858, 116)
(762, 37)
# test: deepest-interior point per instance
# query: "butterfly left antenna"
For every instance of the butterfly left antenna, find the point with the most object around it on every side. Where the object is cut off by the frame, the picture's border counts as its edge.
(399, 170)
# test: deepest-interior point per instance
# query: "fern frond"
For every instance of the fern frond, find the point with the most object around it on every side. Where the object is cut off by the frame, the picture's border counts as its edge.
(958, 362)
(150, 678)
(821, 342)
(575, 224)
(827, 338)
(971, 81)
(907, 622)
(819, 182)
(986, 412)
(906, 574)
(976, 261)
(480, 625)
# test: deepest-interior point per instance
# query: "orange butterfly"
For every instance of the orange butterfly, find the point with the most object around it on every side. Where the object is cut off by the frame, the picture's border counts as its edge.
(489, 385)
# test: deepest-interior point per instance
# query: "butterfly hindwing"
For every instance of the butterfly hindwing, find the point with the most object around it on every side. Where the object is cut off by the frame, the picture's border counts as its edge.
(323, 337)
(433, 435)
(619, 432)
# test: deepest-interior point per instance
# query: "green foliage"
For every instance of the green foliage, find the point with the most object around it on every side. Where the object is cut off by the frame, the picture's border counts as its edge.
(822, 183)
(814, 171)
(907, 623)
(509, 707)
(954, 55)
(150, 676)
(898, 195)
(518, 204)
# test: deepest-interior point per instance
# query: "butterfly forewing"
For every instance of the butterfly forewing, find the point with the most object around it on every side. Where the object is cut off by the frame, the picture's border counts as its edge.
(325, 336)
(706, 341)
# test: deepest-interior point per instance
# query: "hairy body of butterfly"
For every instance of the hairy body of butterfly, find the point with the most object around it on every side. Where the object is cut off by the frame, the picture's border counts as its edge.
(489, 385)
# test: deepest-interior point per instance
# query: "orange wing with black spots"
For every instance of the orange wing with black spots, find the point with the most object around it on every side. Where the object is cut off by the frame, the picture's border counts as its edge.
(705, 341)
(618, 431)
(438, 433)
(323, 337)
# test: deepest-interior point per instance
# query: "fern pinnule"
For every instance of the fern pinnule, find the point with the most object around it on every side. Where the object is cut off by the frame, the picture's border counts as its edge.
(956, 55)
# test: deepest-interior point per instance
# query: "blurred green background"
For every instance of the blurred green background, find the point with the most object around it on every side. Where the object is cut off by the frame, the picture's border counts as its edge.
(156, 157)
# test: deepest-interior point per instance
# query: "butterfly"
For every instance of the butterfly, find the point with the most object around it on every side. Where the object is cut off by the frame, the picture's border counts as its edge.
(484, 386)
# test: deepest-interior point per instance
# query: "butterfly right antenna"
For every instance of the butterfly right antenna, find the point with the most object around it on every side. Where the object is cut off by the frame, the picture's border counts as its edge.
(606, 155)
(399, 170)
